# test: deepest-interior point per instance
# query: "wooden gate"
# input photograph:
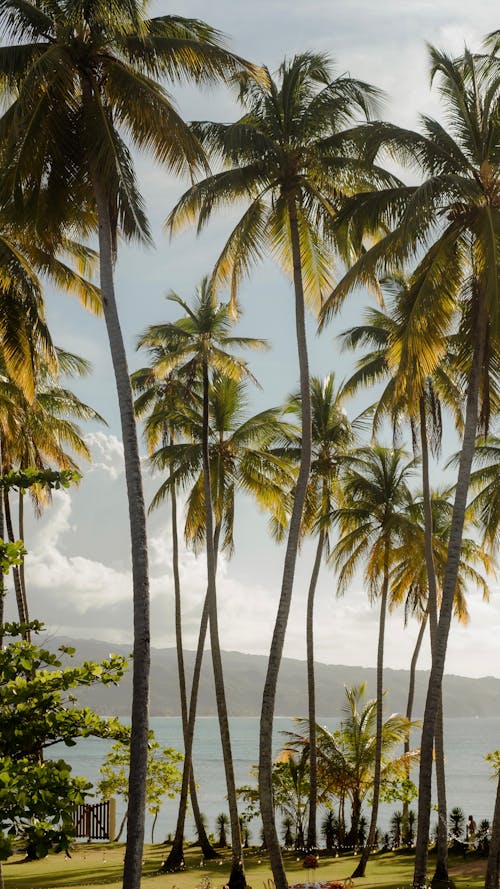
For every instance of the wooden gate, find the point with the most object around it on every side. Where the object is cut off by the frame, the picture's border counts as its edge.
(96, 821)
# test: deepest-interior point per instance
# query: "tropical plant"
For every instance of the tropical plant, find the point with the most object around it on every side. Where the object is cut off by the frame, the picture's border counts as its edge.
(347, 756)
(40, 434)
(288, 838)
(164, 778)
(288, 159)
(396, 828)
(160, 401)
(332, 437)
(37, 795)
(380, 331)
(29, 256)
(81, 77)
(291, 790)
(371, 519)
(410, 584)
(199, 343)
(482, 836)
(457, 822)
(485, 485)
(222, 822)
(329, 829)
(450, 221)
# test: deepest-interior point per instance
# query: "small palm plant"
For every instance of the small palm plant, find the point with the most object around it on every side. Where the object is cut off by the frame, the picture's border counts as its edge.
(329, 829)
(222, 822)
(288, 837)
(396, 826)
(457, 822)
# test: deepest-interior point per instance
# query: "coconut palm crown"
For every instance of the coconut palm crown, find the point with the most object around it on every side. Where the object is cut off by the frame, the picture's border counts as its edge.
(290, 143)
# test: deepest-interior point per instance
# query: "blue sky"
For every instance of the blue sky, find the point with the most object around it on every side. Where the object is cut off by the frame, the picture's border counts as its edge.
(79, 570)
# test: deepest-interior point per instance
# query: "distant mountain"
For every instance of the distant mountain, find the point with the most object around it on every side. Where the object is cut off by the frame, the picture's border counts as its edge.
(245, 673)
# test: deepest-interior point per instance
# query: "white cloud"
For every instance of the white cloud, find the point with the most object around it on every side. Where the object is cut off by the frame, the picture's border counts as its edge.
(107, 454)
(80, 584)
(79, 567)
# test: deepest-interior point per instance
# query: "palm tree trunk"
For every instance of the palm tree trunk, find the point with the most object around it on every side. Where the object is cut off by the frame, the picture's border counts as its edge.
(176, 855)
(237, 877)
(22, 579)
(448, 593)
(441, 871)
(176, 858)
(276, 650)
(409, 707)
(359, 871)
(23, 617)
(311, 693)
(2, 584)
(352, 837)
(121, 828)
(155, 819)
(137, 517)
(178, 609)
(491, 878)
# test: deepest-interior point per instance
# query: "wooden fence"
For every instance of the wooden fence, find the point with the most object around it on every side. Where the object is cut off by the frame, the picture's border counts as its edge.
(96, 821)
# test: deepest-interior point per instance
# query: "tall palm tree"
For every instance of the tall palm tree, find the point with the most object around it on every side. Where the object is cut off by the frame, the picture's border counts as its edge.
(160, 401)
(36, 434)
(289, 160)
(82, 77)
(453, 217)
(200, 341)
(240, 458)
(380, 331)
(410, 585)
(371, 521)
(26, 258)
(332, 437)
(244, 453)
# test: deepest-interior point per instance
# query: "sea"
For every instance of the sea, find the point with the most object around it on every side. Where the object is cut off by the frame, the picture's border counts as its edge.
(469, 780)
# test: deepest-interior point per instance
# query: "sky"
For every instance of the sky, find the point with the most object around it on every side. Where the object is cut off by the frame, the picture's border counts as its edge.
(78, 567)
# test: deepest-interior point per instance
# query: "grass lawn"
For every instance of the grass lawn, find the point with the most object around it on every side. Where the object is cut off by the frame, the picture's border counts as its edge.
(100, 864)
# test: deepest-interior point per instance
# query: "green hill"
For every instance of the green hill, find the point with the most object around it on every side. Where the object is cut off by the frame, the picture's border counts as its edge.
(244, 674)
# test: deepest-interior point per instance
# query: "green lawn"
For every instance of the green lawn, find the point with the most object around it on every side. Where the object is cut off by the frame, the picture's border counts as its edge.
(100, 864)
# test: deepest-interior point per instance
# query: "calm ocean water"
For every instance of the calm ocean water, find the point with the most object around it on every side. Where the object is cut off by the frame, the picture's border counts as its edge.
(469, 782)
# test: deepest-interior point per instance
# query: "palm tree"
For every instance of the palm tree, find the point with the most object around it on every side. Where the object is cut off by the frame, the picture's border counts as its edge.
(240, 458)
(200, 340)
(371, 520)
(291, 790)
(347, 756)
(245, 454)
(332, 436)
(164, 397)
(453, 216)
(380, 331)
(485, 484)
(288, 159)
(82, 77)
(410, 584)
(491, 876)
(222, 822)
(34, 434)
(26, 257)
